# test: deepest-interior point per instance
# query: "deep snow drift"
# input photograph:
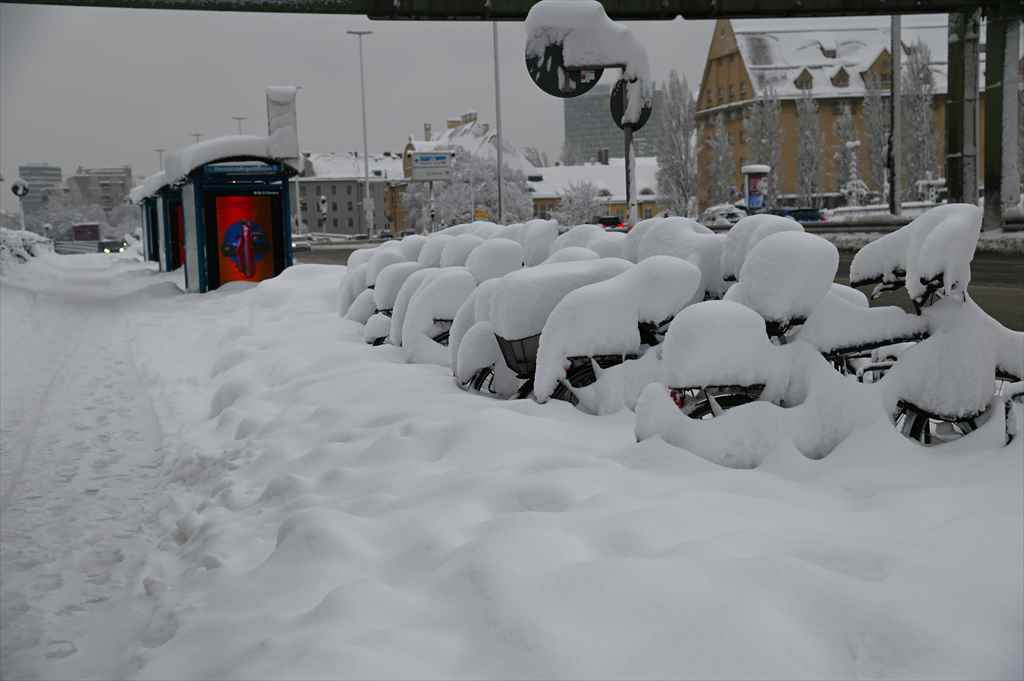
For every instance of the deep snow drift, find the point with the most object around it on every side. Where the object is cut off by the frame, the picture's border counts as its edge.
(300, 504)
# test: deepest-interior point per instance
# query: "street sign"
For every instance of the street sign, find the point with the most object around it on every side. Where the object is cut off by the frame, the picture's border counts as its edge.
(20, 188)
(430, 166)
(551, 75)
(618, 106)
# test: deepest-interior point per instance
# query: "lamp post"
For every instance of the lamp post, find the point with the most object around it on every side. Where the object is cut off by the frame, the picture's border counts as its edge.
(239, 119)
(160, 157)
(497, 116)
(367, 201)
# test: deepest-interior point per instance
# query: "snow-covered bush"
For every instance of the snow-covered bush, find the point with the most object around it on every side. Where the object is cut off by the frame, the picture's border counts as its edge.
(17, 246)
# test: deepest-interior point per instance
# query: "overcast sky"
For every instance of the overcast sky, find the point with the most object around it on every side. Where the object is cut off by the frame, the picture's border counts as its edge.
(104, 87)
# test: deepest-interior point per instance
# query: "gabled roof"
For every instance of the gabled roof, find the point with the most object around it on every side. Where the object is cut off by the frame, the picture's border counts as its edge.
(349, 166)
(776, 51)
(611, 178)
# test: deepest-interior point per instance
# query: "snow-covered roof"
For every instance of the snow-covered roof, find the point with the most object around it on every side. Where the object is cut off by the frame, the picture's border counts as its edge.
(776, 51)
(479, 139)
(275, 147)
(612, 178)
(350, 165)
(150, 186)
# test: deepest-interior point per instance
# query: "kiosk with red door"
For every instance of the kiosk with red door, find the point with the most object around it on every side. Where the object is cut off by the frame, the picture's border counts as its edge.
(237, 225)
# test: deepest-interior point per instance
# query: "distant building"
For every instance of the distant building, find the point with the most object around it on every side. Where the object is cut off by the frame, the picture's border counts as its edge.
(548, 185)
(589, 127)
(336, 182)
(44, 181)
(104, 187)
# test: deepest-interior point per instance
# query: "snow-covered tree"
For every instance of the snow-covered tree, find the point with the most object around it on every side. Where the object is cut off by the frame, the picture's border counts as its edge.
(917, 119)
(579, 204)
(536, 157)
(847, 170)
(875, 131)
(721, 162)
(808, 148)
(762, 128)
(473, 185)
(568, 156)
(677, 155)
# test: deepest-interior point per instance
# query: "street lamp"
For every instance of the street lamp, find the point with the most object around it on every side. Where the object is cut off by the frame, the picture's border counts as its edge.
(497, 115)
(160, 157)
(239, 119)
(367, 203)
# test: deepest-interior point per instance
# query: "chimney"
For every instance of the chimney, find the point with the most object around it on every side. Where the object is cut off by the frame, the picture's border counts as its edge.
(427, 130)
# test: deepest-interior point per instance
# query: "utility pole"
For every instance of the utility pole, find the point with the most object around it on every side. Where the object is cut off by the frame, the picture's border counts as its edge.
(895, 54)
(239, 119)
(196, 136)
(160, 157)
(367, 200)
(497, 116)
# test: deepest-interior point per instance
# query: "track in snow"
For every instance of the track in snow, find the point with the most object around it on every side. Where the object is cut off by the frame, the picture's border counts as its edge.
(79, 464)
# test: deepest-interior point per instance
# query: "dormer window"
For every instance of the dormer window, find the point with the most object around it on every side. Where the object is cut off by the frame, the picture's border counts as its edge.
(804, 81)
(841, 78)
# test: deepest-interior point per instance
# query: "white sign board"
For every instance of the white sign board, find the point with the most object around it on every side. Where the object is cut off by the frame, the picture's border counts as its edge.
(429, 166)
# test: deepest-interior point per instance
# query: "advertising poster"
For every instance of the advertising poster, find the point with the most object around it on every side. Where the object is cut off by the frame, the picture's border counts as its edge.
(755, 191)
(245, 238)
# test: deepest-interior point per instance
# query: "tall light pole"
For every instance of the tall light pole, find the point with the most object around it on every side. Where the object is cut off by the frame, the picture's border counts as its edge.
(497, 116)
(196, 136)
(160, 157)
(367, 202)
(239, 119)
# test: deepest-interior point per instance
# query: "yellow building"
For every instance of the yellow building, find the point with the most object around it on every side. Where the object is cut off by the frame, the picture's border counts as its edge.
(830, 60)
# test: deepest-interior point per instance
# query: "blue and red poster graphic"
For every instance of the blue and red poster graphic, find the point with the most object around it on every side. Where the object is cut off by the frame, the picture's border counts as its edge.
(245, 238)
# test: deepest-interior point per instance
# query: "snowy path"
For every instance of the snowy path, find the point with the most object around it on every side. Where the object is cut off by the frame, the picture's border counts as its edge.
(79, 464)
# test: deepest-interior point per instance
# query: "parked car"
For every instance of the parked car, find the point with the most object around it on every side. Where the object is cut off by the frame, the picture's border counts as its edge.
(301, 243)
(610, 222)
(114, 246)
(801, 215)
(722, 216)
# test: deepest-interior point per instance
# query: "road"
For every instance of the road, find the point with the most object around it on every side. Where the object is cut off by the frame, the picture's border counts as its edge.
(997, 283)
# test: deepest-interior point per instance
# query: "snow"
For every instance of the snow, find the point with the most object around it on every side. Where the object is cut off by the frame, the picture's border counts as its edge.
(181, 162)
(390, 281)
(747, 233)
(843, 322)
(524, 299)
(571, 254)
(609, 245)
(430, 253)
(785, 276)
(149, 187)
(240, 487)
(353, 283)
(412, 245)
(379, 261)
(556, 180)
(476, 308)
(437, 299)
(495, 258)
(719, 342)
(412, 284)
(603, 318)
(377, 327)
(458, 249)
(362, 308)
(689, 240)
(589, 38)
(579, 235)
(328, 166)
(477, 349)
(17, 246)
(537, 237)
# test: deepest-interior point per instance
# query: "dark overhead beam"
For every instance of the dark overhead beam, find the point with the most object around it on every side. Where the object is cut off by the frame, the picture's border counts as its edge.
(516, 10)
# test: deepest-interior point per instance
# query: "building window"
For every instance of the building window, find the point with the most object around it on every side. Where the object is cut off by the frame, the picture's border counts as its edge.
(335, 222)
(350, 222)
(334, 190)
(841, 78)
(743, 90)
(334, 205)
(350, 205)
(318, 190)
(804, 81)
(349, 188)
(731, 93)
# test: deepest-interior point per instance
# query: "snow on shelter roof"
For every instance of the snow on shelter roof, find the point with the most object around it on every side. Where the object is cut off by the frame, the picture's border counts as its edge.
(150, 186)
(275, 147)
(776, 51)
